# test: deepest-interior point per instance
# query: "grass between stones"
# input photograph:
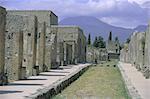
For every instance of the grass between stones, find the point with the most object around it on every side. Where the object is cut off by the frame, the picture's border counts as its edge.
(103, 81)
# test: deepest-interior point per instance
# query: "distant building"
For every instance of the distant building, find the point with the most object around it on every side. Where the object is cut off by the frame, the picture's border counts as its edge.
(113, 47)
(71, 44)
(96, 55)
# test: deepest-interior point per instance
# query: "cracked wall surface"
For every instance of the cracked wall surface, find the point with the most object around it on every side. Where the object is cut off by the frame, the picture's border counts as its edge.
(137, 52)
(2, 42)
(42, 15)
(74, 36)
(33, 45)
(20, 46)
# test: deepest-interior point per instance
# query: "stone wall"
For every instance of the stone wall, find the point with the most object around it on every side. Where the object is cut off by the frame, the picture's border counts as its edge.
(113, 46)
(21, 43)
(2, 43)
(42, 15)
(74, 36)
(92, 55)
(50, 19)
(124, 56)
(146, 67)
(82, 46)
(13, 46)
(113, 49)
(60, 53)
(41, 44)
(139, 62)
(137, 52)
(33, 46)
(96, 55)
(30, 45)
(51, 48)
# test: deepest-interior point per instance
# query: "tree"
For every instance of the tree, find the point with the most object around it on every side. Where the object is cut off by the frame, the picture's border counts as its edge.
(99, 42)
(128, 40)
(110, 36)
(95, 43)
(89, 39)
(116, 38)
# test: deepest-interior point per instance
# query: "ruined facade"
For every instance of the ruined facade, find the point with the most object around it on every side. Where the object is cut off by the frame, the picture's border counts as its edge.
(136, 52)
(21, 42)
(41, 44)
(72, 42)
(96, 55)
(146, 67)
(113, 47)
(2, 44)
(13, 46)
(42, 15)
(51, 48)
(47, 18)
(32, 45)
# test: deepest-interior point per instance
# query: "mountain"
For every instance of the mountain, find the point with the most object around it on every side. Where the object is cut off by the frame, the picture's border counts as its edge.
(140, 28)
(97, 27)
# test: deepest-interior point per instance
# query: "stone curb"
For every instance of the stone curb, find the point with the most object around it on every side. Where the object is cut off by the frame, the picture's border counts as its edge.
(55, 88)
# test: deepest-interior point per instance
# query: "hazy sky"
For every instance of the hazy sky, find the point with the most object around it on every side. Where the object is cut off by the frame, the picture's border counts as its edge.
(123, 13)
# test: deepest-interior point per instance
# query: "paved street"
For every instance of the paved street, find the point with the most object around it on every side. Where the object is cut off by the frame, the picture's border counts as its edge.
(136, 80)
(20, 89)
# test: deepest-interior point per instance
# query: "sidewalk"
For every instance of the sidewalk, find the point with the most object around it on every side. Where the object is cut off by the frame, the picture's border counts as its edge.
(23, 88)
(138, 86)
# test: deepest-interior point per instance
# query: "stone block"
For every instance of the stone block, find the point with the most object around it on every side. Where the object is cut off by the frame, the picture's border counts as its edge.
(2, 44)
(73, 36)
(140, 50)
(41, 46)
(21, 42)
(51, 48)
(30, 45)
(146, 67)
(42, 15)
(13, 47)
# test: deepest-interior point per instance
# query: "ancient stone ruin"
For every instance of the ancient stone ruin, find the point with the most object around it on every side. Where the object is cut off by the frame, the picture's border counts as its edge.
(74, 44)
(113, 47)
(98, 55)
(33, 42)
(136, 52)
(2, 44)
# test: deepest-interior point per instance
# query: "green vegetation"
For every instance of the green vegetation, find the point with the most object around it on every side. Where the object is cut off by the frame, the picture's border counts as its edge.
(89, 39)
(110, 35)
(128, 40)
(99, 42)
(116, 39)
(102, 81)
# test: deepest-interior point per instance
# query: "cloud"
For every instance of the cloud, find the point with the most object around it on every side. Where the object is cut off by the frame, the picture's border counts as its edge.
(126, 13)
(138, 1)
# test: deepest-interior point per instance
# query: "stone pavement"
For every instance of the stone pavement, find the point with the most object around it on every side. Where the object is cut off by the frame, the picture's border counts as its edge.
(25, 88)
(137, 85)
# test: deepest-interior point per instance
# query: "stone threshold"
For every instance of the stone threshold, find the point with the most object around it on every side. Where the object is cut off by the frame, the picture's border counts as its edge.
(44, 86)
